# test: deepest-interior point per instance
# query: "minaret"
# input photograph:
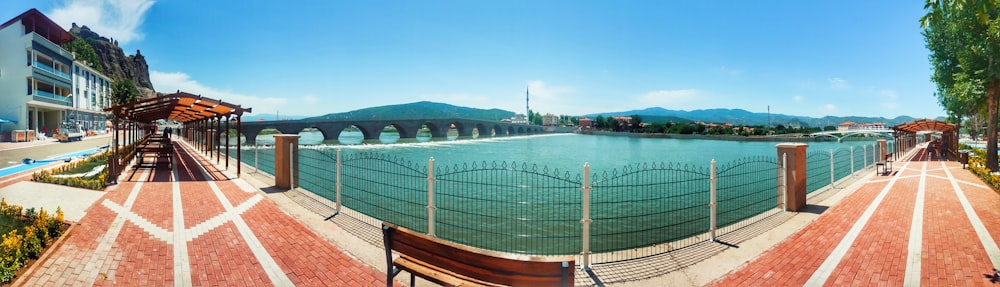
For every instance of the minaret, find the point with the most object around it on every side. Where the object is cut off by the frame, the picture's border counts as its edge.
(527, 108)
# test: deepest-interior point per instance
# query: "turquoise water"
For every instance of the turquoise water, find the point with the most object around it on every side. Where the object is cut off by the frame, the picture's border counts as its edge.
(522, 194)
(571, 151)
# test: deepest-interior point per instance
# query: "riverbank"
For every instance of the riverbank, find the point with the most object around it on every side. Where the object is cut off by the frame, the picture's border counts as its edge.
(775, 138)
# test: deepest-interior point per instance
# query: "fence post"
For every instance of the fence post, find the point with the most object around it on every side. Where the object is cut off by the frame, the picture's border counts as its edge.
(291, 168)
(712, 202)
(784, 182)
(586, 216)
(864, 152)
(852, 161)
(338, 182)
(874, 153)
(255, 149)
(833, 178)
(430, 197)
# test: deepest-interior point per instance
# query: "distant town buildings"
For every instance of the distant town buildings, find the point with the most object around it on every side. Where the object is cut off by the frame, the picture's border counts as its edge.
(852, 126)
(550, 120)
(40, 84)
(623, 123)
(517, 119)
(586, 123)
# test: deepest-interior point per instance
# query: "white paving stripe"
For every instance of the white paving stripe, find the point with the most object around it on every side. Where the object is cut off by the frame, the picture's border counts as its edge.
(92, 268)
(271, 268)
(182, 261)
(914, 249)
(824, 271)
(989, 244)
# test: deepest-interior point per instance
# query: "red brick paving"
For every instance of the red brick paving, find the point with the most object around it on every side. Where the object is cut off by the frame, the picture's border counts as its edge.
(219, 257)
(198, 196)
(952, 254)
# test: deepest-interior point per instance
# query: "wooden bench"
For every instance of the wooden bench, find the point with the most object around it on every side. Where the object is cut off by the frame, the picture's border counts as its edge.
(452, 264)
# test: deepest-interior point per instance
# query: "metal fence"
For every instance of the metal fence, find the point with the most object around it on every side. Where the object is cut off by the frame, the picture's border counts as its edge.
(621, 214)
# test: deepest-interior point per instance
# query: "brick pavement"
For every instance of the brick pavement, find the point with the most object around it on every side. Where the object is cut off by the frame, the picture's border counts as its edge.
(194, 227)
(917, 226)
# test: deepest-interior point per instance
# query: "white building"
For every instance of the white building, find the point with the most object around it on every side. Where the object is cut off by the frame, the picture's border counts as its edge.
(519, 119)
(91, 94)
(35, 81)
(550, 120)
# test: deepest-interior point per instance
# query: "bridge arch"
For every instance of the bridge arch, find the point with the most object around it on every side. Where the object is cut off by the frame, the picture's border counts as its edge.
(372, 129)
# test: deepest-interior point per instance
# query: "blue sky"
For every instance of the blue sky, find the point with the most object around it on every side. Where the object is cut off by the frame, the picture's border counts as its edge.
(809, 58)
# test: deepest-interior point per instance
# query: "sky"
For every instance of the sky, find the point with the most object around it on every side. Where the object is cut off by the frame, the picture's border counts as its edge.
(313, 57)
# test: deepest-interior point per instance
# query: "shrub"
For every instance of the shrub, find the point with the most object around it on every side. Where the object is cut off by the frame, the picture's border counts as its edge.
(20, 245)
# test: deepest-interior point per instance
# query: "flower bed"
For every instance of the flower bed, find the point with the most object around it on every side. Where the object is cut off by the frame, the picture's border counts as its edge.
(977, 164)
(26, 239)
(96, 181)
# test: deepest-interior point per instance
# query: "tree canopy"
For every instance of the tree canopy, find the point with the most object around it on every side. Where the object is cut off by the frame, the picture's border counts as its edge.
(83, 51)
(963, 37)
(124, 91)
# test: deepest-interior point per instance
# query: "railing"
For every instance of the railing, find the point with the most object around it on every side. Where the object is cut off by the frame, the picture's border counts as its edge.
(49, 69)
(52, 98)
(621, 214)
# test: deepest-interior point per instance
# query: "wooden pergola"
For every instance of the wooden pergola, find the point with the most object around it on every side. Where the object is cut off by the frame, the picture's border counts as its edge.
(908, 132)
(202, 119)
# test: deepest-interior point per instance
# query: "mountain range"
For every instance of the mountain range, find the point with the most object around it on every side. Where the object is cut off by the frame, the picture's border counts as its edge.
(655, 114)
(430, 110)
(744, 117)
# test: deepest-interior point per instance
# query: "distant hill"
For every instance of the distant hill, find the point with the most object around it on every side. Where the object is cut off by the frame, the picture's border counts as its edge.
(743, 117)
(427, 110)
(269, 117)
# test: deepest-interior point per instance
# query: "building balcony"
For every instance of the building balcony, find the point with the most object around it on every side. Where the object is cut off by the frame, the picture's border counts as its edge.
(47, 68)
(43, 96)
(41, 40)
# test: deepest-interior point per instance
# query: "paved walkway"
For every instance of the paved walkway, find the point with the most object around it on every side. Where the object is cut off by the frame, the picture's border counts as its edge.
(930, 223)
(193, 226)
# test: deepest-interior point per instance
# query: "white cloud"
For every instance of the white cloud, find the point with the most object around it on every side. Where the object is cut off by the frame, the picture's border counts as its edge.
(838, 83)
(671, 99)
(890, 99)
(889, 94)
(177, 81)
(118, 19)
(541, 91)
(311, 99)
(798, 98)
(545, 98)
(829, 109)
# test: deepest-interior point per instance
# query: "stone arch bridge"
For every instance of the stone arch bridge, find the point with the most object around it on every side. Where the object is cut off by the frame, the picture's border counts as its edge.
(407, 128)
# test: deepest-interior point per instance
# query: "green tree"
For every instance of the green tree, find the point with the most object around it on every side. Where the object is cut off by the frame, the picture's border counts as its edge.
(599, 122)
(963, 37)
(83, 51)
(123, 91)
(536, 119)
(636, 124)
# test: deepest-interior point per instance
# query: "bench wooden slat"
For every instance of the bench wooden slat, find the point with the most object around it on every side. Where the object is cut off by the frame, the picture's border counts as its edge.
(437, 259)
(437, 275)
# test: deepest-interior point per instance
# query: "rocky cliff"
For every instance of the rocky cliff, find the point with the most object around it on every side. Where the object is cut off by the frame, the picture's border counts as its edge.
(114, 61)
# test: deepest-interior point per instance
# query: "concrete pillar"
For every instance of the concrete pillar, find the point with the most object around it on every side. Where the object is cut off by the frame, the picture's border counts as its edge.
(795, 175)
(882, 150)
(286, 154)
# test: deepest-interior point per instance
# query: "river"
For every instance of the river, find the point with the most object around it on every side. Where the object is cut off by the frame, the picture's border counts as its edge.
(565, 151)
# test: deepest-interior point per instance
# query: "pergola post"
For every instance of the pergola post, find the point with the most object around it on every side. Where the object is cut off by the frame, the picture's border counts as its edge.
(227, 141)
(239, 146)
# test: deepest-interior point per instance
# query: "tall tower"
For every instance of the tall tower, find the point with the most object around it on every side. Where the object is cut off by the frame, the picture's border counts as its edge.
(527, 107)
